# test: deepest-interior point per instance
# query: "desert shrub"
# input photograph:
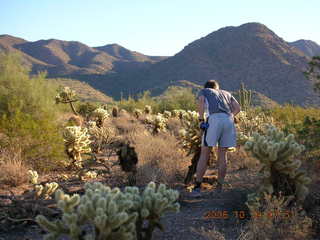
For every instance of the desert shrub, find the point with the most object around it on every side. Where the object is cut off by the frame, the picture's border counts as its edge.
(289, 115)
(13, 170)
(173, 98)
(28, 113)
(140, 102)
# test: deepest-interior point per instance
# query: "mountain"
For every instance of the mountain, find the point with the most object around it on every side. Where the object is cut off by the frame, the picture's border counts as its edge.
(65, 58)
(250, 53)
(308, 47)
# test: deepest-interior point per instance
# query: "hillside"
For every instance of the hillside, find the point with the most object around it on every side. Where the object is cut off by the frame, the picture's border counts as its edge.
(84, 91)
(250, 53)
(308, 47)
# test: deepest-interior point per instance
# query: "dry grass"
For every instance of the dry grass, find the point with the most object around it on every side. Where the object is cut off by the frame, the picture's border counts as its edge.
(13, 171)
(160, 159)
(240, 159)
(174, 126)
(128, 127)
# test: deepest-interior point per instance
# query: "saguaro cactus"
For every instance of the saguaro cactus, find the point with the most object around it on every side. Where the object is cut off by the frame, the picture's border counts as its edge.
(245, 97)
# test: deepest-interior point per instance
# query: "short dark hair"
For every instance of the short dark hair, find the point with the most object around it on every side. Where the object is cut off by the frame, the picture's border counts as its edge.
(211, 84)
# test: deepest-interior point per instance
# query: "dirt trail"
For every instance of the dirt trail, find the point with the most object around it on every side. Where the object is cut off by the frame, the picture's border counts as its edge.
(225, 212)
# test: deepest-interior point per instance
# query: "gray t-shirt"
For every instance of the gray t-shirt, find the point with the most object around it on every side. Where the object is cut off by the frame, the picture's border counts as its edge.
(216, 100)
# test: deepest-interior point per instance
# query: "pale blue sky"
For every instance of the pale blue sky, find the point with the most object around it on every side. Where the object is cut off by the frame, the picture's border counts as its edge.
(153, 27)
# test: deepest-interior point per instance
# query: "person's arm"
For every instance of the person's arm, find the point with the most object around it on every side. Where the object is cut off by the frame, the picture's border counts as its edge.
(235, 106)
(201, 107)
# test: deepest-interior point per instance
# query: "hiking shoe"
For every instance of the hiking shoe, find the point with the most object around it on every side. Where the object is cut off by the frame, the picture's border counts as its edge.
(196, 193)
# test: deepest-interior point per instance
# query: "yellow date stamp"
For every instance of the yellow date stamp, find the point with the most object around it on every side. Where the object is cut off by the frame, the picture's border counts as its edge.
(241, 214)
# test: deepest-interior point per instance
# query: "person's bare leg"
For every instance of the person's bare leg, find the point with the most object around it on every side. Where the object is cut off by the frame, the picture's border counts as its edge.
(202, 163)
(222, 165)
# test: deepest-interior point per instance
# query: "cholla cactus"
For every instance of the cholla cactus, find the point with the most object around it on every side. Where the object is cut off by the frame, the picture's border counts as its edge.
(77, 142)
(147, 109)
(67, 95)
(100, 136)
(45, 191)
(190, 134)
(178, 113)
(151, 205)
(41, 191)
(250, 122)
(159, 123)
(167, 114)
(104, 213)
(280, 172)
(100, 115)
(33, 177)
(88, 175)
(137, 112)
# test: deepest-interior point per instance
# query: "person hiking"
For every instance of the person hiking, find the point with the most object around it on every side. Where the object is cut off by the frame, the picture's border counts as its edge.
(217, 109)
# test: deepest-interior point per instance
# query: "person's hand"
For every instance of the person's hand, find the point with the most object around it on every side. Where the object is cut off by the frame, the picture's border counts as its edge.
(203, 125)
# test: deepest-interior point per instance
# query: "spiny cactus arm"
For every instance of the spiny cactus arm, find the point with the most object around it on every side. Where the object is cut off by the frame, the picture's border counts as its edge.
(33, 177)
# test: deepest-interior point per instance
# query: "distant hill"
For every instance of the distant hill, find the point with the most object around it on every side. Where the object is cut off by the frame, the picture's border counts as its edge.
(308, 47)
(67, 58)
(124, 54)
(84, 91)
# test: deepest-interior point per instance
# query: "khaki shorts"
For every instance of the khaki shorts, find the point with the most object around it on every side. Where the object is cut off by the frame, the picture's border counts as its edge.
(221, 131)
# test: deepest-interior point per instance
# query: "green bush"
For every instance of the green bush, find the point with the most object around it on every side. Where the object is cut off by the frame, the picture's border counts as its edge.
(289, 114)
(28, 114)
(177, 98)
